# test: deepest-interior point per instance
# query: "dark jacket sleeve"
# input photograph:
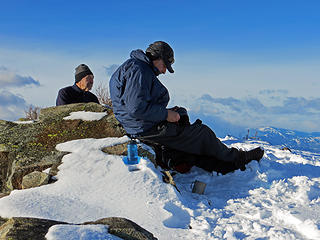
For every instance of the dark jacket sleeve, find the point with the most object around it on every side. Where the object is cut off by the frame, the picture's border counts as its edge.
(95, 99)
(139, 101)
(62, 98)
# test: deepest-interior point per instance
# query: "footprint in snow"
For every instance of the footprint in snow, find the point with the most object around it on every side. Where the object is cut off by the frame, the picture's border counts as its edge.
(180, 218)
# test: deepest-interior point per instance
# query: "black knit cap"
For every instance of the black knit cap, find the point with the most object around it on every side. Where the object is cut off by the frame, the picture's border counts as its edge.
(161, 50)
(81, 71)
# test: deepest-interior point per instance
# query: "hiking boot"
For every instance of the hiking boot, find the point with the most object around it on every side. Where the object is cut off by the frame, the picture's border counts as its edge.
(254, 154)
(247, 156)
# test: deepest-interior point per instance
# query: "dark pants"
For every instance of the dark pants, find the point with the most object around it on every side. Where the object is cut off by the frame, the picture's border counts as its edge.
(196, 138)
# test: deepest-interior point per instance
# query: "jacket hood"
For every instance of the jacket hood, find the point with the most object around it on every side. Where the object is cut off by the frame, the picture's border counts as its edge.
(140, 55)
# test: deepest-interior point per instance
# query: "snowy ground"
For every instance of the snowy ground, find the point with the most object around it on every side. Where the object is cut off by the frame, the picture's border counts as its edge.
(278, 199)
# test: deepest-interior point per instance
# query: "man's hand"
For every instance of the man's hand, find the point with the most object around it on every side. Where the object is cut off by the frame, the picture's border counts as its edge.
(173, 116)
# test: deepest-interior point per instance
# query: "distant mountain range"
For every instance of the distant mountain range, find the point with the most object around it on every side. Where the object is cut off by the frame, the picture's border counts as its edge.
(287, 138)
(275, 136)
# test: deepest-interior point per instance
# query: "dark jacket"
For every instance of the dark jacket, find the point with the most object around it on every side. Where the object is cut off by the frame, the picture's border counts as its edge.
(139, 99)
(73, 94)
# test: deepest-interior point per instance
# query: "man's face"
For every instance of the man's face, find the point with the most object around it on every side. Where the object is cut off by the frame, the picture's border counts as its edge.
(86, 83)
(160, 65)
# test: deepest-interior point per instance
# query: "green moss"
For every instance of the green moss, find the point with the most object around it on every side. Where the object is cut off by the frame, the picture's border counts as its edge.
(52, 135)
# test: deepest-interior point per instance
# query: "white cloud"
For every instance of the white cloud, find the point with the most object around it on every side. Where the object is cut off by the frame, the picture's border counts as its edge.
(11, 79)
(111, 69)
(295, 113)
(274, 91)
(9, 99)
(12, 106)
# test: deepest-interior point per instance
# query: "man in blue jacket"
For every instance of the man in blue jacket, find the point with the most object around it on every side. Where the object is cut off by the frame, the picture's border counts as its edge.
(79, 92)
(140, 102)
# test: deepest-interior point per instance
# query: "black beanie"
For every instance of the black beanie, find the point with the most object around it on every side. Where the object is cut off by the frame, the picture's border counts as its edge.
(81, 71)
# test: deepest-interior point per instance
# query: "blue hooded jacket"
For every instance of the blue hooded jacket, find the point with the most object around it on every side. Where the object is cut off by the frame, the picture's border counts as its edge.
(139, 99)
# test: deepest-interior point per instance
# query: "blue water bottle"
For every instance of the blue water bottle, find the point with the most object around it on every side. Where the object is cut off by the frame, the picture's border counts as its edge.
(132, 156)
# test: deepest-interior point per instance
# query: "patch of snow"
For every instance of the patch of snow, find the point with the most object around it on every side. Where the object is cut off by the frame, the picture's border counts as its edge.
(228, 137)
(24, 122)
(84, 232)
(85, 116)
(46, 170)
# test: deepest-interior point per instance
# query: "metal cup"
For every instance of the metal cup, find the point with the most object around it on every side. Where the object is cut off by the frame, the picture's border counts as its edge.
(198, 187)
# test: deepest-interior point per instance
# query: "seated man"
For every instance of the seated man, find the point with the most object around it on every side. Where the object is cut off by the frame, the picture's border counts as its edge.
(140, 104)
(79, 92)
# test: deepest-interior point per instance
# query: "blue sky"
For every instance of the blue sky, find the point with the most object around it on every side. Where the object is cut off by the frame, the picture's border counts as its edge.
(250, 63)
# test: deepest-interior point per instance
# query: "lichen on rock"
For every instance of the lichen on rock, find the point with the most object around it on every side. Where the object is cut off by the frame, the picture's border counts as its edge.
(35, 179)
(31, 147)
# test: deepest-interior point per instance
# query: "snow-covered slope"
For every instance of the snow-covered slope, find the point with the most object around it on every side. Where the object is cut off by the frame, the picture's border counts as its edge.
(276, 199)
(289, 138)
